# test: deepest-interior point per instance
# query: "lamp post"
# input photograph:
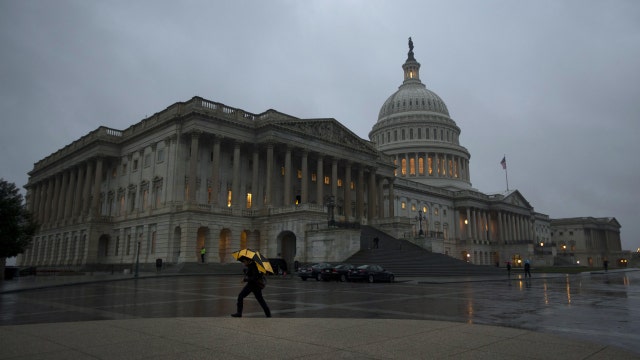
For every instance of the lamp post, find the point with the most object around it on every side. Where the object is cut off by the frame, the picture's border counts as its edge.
(419, 219)
(137, 260)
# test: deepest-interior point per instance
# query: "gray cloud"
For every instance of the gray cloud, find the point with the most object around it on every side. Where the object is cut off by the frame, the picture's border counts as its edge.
(551, 84)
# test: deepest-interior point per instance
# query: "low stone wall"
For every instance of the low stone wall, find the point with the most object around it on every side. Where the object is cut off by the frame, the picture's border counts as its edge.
(330, 245)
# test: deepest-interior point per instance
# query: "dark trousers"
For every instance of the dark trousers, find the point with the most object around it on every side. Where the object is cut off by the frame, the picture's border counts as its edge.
(257, 292)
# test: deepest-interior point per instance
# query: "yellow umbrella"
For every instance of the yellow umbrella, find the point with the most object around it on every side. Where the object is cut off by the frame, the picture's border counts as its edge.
(262, 263)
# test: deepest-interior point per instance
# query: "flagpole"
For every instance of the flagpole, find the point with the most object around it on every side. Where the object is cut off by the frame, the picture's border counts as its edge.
(506, 172)
(506, 176)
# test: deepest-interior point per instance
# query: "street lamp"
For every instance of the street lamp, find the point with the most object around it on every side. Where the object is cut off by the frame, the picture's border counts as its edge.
(419, 219)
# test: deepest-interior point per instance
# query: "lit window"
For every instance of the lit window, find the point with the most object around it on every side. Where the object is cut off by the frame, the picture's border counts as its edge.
(412, 166)
(421, 166)
(352, 186)
(403, 205)
(282, 171)
(413, 207)
(430, 165)
(435, 211)
(229, 198)
(313, 177)
(403, 168)
(249, 200)
(299, 174)
(424, 209)
(339, 182)
(327, 180)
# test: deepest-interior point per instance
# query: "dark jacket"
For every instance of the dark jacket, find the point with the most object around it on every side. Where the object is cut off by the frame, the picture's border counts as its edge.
(252, 274)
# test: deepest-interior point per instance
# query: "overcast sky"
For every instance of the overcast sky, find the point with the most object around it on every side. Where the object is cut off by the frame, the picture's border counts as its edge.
(553, 85)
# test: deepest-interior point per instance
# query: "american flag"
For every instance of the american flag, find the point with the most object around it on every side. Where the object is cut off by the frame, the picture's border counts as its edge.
(504, 162)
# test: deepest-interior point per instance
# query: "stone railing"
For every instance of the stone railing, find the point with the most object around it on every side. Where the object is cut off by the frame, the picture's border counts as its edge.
(101, 133)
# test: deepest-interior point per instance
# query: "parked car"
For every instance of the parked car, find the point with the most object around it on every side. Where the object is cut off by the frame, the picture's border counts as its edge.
(312, 271)
(339, 272)
(371, 273)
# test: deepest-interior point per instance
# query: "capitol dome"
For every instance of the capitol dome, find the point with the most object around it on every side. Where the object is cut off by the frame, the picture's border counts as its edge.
(412, 97)
(415, 129)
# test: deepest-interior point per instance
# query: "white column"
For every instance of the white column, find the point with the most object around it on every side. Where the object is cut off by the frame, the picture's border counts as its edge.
(347, 191)
(304, 181)
(287, 177)
(269, 175)
(215, 171)
(320, 180)
(236, 196)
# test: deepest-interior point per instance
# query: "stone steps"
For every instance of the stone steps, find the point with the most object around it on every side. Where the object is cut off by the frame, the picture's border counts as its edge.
(404, 258)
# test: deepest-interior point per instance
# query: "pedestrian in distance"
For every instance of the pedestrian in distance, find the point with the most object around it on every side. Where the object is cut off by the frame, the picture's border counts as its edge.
(203, 251)
(527, 268)
(509, 268)
(254, 284)
(376, 241)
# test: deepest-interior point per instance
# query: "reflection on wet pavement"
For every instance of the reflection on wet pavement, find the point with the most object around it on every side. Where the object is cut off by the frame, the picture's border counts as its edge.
(601, 308)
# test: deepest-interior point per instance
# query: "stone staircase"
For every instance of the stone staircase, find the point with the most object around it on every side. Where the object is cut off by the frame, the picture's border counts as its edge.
(408, 260)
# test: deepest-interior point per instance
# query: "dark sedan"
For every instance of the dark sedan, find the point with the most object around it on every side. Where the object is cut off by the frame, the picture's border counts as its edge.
(338, 272)
(312, 271)
(371, 273)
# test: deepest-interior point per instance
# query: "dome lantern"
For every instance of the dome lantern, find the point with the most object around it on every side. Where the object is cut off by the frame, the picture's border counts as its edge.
(411, 67)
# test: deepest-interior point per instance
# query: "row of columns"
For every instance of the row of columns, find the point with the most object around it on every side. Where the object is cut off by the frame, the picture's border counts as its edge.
(515, 227)
(374, 194)
(67, 250)
(439, 165)
(73, 192)
(510, 226)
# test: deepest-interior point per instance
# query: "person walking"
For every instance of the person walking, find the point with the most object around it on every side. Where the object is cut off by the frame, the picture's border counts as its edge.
(253, 278)
(203, 251)
(527, 268)
(509, 268)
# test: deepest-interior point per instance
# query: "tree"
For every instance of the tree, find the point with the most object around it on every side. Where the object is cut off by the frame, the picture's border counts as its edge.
(17, 225)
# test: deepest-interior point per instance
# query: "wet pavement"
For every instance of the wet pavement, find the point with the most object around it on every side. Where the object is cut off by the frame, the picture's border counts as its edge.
(600, 308)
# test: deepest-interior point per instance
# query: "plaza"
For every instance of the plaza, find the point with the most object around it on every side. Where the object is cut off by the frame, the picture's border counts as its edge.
(585, 316)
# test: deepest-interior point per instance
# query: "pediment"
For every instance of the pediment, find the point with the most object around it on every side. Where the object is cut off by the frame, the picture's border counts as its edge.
(327, 130)
(516, 199)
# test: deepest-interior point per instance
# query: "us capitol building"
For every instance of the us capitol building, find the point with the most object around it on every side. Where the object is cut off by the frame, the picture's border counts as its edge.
(203, 174)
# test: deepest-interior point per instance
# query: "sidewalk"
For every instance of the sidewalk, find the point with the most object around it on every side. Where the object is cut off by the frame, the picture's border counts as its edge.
(287, 338)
